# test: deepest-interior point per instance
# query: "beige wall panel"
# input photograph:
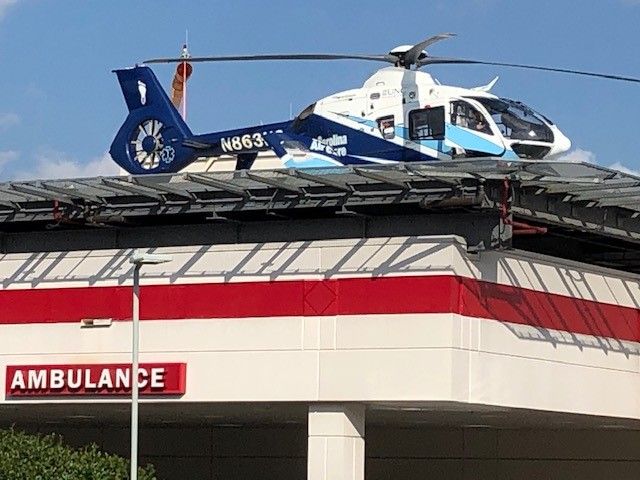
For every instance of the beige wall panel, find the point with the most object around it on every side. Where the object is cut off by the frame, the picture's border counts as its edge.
(563, 277)
(398, 331)
(524, 341)
(556, 386)
(386, 375)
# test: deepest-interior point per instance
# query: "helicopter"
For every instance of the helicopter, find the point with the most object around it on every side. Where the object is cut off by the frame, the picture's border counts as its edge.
(400, 114)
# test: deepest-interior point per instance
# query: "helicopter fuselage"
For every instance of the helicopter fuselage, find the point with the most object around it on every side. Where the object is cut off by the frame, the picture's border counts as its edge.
(404, 115)
(398, 115)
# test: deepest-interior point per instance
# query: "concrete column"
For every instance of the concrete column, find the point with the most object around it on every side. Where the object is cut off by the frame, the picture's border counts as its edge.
(336, 442)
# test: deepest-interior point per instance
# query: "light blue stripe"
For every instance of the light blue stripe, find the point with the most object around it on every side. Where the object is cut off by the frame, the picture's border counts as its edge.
(470, 141)
(309, 162)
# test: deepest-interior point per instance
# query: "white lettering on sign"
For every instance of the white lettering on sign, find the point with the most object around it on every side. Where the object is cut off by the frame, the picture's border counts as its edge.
(88, 384)
(105, 379)
(37, 379)
(57, 378)
(331, 145)
(74, 383)
(143, 377)
(18, 381)
(157, 378)
(94, 379)
(123, 377)
(237, 143)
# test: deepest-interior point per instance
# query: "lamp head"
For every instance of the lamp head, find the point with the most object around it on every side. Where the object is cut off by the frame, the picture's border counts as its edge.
(138, 257)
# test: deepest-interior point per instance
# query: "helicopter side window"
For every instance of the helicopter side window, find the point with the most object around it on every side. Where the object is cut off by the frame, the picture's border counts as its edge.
(426, 124)
(466, 116)
(387, 125)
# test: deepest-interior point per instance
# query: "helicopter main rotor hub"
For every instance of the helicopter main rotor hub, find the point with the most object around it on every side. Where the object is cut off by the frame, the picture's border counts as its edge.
(400, 53)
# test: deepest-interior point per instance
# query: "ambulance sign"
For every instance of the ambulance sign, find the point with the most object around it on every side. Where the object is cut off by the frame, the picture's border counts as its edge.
(94, 380)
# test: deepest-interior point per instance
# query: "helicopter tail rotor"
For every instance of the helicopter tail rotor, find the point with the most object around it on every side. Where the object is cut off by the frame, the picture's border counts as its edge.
(151, 138)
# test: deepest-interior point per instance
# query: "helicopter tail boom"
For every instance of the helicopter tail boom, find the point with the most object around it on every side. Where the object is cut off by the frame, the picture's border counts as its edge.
(151, 138)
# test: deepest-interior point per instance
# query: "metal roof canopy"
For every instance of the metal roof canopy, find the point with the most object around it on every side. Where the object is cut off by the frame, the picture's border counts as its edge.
(576, 196)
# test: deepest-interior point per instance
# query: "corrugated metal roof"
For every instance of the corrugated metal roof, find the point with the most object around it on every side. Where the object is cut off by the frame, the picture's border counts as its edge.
(580, 185)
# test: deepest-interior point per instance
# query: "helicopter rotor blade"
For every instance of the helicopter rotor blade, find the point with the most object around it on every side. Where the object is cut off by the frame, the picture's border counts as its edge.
(462, 61)
(413, 54)
(296, 56)
(411, 57)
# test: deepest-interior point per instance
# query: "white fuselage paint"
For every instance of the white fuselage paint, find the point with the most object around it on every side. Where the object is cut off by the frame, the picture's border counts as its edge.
(395, 91)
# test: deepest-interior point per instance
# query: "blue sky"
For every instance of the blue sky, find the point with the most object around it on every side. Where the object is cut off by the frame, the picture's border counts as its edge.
(60, 105)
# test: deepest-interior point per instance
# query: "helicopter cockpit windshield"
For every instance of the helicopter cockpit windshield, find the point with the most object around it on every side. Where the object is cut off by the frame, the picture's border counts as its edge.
(516, 121)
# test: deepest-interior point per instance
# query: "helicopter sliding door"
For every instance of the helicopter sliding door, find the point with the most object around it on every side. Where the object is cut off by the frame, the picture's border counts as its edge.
(427, 124)
(425, 132)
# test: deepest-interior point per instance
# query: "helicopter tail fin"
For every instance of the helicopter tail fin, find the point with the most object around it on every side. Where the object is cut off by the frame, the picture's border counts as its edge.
(151, 138)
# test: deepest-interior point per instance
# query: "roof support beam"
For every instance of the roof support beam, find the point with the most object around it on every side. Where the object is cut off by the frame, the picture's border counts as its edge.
(272, 182)
(452, 178)
(132, 188)
(562, 188)
(605, 193)
(209, 181)
(379, 177)
(618, 202)
(41, 192)
(72, 192)
(164, 187)
(322, 180)
(8, 205)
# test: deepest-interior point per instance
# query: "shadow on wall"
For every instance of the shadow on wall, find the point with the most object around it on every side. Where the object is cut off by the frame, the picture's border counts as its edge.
(531, 309)
(537, 299)
(262, 261)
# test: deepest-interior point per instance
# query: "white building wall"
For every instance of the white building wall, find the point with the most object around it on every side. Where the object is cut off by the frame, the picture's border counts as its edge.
(371, 357)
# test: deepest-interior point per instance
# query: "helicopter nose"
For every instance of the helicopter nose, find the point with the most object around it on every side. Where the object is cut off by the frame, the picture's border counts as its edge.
(564, 144)
(561, 143)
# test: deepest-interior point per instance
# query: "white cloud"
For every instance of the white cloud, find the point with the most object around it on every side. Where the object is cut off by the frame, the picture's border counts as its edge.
(8, 120)
(5, 4)
(59, 165)
(7, 156)
(578, 155)
(620, 167)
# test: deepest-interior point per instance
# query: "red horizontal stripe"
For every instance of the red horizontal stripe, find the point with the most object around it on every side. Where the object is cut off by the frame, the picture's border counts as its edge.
(548, 310)
(385, 295)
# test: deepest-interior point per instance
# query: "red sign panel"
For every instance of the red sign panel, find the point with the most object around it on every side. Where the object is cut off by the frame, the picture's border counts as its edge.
(94, 379)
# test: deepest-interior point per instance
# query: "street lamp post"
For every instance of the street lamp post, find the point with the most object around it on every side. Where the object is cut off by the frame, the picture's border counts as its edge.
(138, 259)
